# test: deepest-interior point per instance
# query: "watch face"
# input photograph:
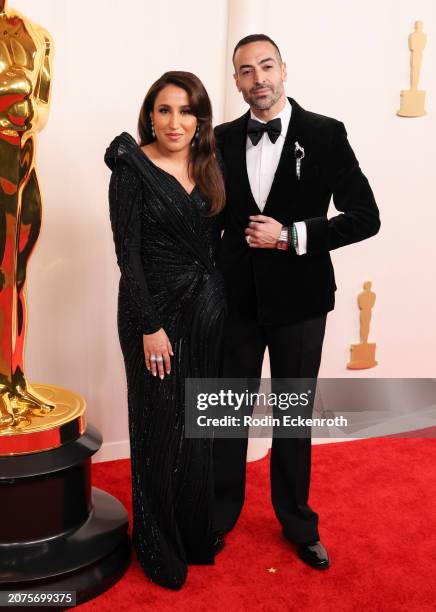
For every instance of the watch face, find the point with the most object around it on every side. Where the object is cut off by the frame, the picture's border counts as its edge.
(282, 245)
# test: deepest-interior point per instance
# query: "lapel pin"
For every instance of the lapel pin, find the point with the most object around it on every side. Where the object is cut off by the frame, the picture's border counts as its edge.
(299, 155)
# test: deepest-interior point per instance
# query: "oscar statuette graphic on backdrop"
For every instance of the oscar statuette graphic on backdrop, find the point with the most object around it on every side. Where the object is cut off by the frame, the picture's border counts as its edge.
(363, 354)
(413, 100)
(59, 532)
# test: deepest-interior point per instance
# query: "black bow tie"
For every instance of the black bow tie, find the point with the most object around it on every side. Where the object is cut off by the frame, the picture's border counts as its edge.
(255, 129)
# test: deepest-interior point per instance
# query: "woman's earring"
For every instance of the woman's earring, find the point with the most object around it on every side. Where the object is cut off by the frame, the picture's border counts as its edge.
(152, 130)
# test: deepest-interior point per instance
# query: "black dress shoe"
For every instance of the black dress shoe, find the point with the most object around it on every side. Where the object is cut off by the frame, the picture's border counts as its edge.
(218, 543)
(314, 554)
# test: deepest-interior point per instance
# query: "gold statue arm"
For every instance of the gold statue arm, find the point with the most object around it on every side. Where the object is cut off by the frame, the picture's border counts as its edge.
(25, 75)
(43, 83)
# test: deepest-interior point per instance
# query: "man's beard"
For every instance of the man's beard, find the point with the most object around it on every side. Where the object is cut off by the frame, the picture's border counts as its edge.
(266, 102)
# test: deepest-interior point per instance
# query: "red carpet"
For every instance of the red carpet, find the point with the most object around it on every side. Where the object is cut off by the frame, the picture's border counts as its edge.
(376, 500)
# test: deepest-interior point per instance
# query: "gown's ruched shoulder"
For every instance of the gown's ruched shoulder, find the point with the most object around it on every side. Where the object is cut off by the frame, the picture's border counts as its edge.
(122, 148)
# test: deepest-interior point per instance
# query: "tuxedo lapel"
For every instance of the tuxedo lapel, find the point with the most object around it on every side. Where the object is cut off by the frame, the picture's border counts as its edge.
(236, 148)
(285, 178)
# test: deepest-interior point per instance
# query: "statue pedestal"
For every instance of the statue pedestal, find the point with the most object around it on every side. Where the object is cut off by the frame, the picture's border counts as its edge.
(362, 356)
(57, 532)
(32, 433)
(412, 104)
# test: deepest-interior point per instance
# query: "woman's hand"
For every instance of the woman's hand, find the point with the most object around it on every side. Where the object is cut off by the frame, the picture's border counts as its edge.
(157, 351)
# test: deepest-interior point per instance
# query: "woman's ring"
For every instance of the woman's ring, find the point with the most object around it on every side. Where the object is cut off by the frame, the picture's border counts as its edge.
(247, 238)
(152, 357)
(159, 358)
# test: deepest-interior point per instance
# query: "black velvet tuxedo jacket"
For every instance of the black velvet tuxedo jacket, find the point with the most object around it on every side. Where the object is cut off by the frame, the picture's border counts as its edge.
(280, 286)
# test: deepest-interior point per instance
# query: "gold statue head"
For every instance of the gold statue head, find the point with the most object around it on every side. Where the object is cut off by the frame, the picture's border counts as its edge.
(418, 26)
(367, 285)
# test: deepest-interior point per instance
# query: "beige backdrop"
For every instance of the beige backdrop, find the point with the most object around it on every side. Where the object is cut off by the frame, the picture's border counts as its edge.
(345, 59)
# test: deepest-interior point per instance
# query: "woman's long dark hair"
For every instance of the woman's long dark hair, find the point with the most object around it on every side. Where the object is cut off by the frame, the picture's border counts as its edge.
(204, 167)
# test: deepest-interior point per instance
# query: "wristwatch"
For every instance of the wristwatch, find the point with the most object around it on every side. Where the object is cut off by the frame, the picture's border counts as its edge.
(282, 242)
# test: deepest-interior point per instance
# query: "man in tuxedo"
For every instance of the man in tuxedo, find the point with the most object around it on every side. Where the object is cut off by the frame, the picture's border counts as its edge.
(282, 166)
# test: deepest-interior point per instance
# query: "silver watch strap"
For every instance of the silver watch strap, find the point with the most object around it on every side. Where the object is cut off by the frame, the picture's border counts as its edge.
(284, 234)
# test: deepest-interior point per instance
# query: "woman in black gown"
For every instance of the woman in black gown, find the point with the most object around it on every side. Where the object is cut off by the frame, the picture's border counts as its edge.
(166, 197)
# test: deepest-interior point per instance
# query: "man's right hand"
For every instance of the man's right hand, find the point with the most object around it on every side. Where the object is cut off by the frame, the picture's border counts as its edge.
(159, 346)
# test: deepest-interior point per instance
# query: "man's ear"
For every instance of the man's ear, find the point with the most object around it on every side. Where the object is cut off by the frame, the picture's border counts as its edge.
(284, 72)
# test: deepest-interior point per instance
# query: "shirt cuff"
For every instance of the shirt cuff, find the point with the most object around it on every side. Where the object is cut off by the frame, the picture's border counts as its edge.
(301, 228)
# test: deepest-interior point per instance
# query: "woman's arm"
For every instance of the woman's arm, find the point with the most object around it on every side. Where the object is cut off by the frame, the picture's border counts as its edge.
(125, 200)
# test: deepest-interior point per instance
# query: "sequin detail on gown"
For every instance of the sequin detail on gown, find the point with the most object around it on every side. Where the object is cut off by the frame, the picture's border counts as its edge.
(165, 247)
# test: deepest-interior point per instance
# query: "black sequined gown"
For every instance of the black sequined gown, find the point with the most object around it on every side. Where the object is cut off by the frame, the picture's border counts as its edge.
(165, 246)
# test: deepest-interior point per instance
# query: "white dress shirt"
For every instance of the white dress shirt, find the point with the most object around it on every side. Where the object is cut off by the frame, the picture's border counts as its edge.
(262, 162)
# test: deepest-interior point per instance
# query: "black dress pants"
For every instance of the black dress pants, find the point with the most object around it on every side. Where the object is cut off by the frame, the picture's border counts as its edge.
(295, 352)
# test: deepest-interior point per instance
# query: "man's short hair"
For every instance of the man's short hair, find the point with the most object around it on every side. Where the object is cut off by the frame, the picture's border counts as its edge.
(255, 38)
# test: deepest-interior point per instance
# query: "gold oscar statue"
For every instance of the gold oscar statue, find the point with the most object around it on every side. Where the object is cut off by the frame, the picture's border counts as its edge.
(58, 533)
(363, 354)
(412, 100)
(25, 78)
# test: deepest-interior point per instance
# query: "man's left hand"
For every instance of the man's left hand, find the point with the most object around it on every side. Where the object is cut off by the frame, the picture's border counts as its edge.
(263, 232)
